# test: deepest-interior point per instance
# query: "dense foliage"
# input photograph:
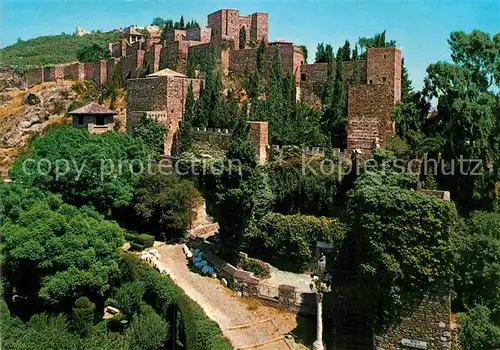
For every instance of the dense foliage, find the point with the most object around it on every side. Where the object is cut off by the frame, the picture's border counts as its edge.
(403, 244)
(84, 168)
(92, 53)
(54, 49)
(165, 204)
(289, 241)
(66, 251)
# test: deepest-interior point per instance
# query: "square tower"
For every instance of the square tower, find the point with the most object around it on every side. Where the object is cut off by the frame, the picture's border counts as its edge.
(260, 27)
(384, 67)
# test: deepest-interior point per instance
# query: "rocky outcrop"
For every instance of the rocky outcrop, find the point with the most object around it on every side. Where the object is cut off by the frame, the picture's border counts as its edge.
(25, 113)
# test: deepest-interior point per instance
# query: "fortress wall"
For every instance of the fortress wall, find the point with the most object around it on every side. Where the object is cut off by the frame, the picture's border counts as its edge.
(243, 61)
(75, 71)
(175, 35)
(199, 34)
(369, 116)
(313, 77)
(168, 55)
(260, 27)
(34, 76)
(428, 327)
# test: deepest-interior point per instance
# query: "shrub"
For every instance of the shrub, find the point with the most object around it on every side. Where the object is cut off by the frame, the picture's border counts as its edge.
(288, 241)
(403, 244)
(140, 241)
(83, 316)
(258, 267)
(129, 297)
(201, 332)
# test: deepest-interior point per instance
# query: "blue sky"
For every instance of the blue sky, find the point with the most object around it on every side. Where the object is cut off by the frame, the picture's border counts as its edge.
(419, 27)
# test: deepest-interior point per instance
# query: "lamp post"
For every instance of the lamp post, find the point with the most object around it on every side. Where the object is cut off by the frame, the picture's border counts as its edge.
(320, 287)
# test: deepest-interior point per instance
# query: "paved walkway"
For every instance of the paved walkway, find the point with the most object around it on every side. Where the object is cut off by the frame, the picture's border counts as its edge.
(227, 309)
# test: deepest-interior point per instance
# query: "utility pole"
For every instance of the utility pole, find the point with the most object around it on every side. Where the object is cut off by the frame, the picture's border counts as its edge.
(320, 287)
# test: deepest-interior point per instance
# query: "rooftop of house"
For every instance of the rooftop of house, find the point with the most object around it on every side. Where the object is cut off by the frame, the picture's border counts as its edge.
(92, 108)
(167, 72)
(132, 31)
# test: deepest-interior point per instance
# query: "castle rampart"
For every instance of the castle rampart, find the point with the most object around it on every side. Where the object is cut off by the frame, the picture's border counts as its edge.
(374, 84)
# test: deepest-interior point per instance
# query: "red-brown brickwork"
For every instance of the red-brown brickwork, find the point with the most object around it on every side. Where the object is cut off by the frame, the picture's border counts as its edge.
(313, 77)
(243, 61)
(384, 67)
(259, 134)
(34, 76)
(260, 27)
(226, 24)
(202, 35)
(175, 35)
(74, 71)
(162, 97)
(369, 116)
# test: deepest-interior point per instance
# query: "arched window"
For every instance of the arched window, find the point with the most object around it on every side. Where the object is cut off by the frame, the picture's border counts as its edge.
(303, 77)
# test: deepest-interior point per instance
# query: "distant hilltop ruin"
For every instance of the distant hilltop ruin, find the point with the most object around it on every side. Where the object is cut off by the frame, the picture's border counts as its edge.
(370, 102)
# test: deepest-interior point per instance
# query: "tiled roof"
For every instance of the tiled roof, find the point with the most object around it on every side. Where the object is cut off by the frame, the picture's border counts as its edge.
(167, 72)
(132, 31)
(92, 108)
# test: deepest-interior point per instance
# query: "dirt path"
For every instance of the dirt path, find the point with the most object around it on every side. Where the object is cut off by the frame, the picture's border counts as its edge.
(227, 309)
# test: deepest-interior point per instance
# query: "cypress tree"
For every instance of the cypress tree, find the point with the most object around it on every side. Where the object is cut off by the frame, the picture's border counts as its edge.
(181, 23)
(355, 54)
(334, 116)
(192, 62)
(260, 56)
(346, 51)
(186, 130)
(83, 316)
(243, 37)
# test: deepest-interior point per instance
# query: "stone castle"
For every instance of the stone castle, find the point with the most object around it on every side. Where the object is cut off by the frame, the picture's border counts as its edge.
(162, 94)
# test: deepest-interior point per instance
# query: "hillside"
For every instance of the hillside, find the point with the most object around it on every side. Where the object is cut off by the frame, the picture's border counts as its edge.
(53, 49)
(20, 121)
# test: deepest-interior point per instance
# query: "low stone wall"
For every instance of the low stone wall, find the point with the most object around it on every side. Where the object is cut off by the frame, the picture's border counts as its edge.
(213, 142)
(286, 297)
(428, 327)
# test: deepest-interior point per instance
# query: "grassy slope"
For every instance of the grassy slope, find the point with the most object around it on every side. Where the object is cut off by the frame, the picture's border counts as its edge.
(54, 49)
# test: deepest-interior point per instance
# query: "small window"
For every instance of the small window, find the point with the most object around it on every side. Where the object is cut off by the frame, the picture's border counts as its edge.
(371, 81)
(303, 77)
(100, 120)
(383, 79)
(80, 120)
(385, 56)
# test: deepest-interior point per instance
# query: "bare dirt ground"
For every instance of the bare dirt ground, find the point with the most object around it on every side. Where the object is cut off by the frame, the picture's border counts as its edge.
(261, 323)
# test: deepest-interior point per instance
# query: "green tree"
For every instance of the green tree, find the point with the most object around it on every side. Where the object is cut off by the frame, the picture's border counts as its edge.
(92, 53)
(467, 123)
(158, 21)
(181, 23)
(378, 40)
(192, 62)
(335, 105)
(147, 330)
(478, 332)
(288, 241)
(303, 48)
(324, 53)
(477, 280)
(186, 129)
(83, 316)
(129, 297)
(66, 251)
(403, 244)
(165, 204)
(151, 133)
(346, 51)
(243, 38)
(96, 169)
